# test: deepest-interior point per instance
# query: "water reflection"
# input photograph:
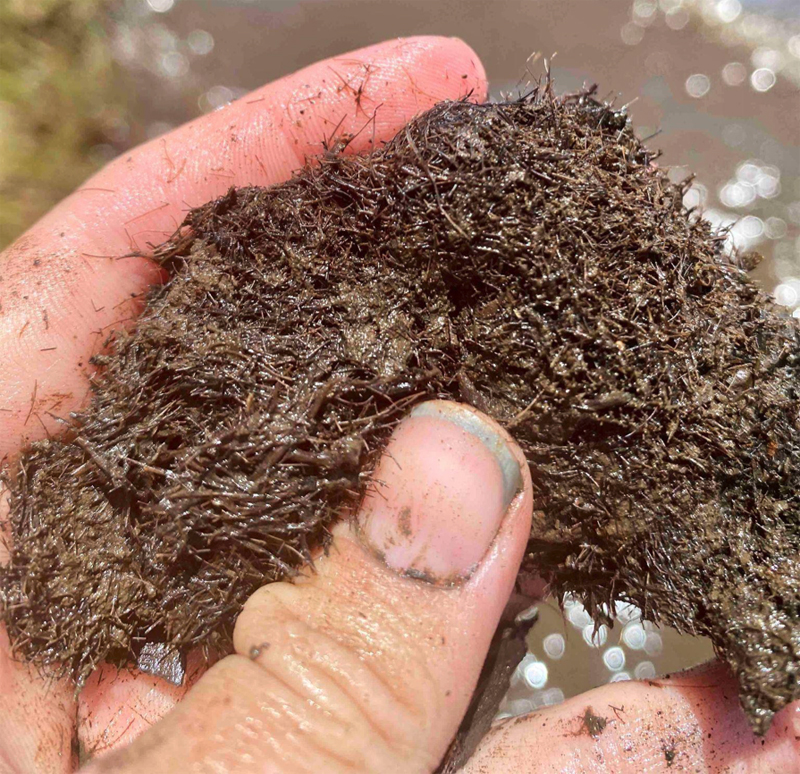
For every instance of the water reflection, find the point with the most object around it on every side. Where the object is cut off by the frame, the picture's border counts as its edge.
(161, 6)
(734, 73)
(200, 42)
(698, 85)
(566, 656)
(762, 79)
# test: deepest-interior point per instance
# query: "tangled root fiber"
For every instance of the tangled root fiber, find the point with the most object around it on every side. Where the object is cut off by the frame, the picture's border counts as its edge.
(527, 258)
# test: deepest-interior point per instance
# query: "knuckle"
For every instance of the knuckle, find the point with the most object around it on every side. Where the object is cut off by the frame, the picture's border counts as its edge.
(373, 694)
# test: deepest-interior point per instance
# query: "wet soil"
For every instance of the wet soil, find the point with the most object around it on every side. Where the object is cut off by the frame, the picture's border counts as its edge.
(592, 724)
(525, 257)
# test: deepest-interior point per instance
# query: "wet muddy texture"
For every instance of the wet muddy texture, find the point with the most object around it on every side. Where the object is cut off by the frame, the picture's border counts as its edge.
(527, 258)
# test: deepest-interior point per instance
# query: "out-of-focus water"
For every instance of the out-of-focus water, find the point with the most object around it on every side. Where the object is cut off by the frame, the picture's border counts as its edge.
(567, 656)
(718, 80)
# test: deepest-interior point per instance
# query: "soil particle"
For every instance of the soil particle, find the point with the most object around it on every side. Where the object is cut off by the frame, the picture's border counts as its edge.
(527, 257)
(404, 522)
(592, 724)
(161, 660)
(257, 650)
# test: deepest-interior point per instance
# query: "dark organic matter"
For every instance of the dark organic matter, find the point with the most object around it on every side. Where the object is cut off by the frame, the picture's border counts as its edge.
(592, 724)
(525, 257)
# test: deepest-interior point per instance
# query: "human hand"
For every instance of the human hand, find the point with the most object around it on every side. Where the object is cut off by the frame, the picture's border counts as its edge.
(366, 669)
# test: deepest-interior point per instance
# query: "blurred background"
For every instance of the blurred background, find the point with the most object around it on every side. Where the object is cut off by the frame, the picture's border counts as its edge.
(714, 83)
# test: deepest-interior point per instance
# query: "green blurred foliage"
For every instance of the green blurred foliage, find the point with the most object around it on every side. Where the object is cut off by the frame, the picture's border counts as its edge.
(58, 100)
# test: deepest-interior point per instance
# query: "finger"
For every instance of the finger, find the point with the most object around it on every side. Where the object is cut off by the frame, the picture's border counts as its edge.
(691, 722)
(116, 706)
(368, 664)
(63, 286)
(37, 719)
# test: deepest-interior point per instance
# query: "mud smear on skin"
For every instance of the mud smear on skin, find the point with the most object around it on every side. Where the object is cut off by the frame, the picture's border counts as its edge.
(592, 724)
(527, 258)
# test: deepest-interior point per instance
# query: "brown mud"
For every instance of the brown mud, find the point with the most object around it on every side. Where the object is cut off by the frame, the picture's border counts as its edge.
(592, 724)
(669, 753)
(527, 258)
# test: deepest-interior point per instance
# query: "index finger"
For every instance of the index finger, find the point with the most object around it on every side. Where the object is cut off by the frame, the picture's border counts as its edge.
(63, 285)
(687, 722)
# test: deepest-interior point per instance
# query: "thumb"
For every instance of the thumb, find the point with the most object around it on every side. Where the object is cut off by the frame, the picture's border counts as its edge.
(368, 664)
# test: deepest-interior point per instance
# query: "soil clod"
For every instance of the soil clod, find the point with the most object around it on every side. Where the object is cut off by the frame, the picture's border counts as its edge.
(527, 257)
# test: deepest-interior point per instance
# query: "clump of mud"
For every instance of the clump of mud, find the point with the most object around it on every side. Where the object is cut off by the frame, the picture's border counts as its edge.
(527, 258)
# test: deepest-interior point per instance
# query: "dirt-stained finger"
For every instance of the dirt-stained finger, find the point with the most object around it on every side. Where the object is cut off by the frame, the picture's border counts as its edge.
(689, 722)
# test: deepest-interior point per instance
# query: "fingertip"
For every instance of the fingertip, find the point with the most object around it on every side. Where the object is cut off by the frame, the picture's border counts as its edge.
(475, 73)
(456, 69)
(377, 90)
